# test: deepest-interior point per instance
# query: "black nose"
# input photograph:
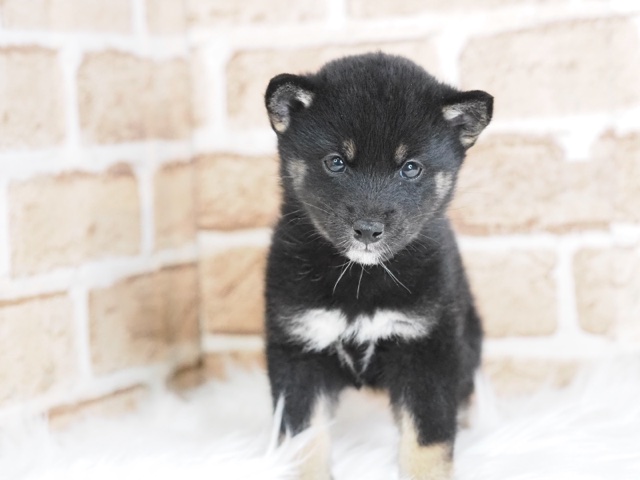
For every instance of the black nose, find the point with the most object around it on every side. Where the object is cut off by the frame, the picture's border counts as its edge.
(367, 231)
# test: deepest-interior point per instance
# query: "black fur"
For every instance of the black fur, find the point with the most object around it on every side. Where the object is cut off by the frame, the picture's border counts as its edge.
(378, 102)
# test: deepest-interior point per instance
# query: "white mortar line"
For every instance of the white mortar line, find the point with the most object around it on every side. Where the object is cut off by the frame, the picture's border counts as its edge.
(5, 241)
(23, 164)
(96, 273)
(214, 241)
(257, 141)
(582, 346)
(507, 242)
(156, 48)
(337, 14)
(479, 22)
(449, 46)
(80, 299)
(218, 343)
(70, 59)
(139, 18)
(214, 58)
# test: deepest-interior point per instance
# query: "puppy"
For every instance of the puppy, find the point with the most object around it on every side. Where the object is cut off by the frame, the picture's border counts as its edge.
(365, 286)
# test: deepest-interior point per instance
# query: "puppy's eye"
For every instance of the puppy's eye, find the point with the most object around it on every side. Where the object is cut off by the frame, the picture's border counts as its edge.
(335, 164)
(410, 170)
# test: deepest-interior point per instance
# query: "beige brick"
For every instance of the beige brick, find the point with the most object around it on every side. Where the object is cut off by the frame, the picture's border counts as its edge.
(126, 98)
(390, 8)
(32, 111)
(88, 15)
(38, 347)
(512, 376)
(514, 291)
(621, 154)
(237, 192)
(112, 405)
(553, 69)
(63, 220)
(208, 13)
(232, 290)
(218, 365)
(175, 220)
(139, 320)
(249, 73)
(512, 183)
(608, 292)
(166, 17)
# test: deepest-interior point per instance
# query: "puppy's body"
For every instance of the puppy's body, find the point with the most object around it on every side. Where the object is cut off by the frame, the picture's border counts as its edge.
(365, 285)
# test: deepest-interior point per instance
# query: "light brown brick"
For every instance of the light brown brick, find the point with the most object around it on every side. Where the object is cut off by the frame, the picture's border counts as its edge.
(112, 405)
(38, 347)
(514, 291)
(237, 192)
(124, 98)
(249, 73)
(511, 376)
(512, 183)
(553, 69)
(175, 220)
(621, 154)
(207, 13)
(32, 110)
(138, 320)
(63, 220)
(608, 292)
(390, 8)
(218, 365)
(88, 15)
(166, 17)
(232, 290)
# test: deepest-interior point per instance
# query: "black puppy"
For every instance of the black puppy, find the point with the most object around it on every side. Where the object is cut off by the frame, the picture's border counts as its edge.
(365, 286)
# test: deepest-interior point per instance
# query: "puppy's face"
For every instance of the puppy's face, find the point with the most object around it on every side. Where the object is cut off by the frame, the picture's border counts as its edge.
(370, 149)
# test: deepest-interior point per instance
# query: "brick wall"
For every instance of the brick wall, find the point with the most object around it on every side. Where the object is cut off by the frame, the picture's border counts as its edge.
(138, 181)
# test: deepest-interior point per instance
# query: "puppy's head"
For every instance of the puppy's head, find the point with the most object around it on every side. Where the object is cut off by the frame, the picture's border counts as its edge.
(370, 148)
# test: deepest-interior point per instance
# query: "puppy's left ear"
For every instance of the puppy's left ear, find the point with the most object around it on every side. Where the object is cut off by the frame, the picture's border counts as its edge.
(286, 95)
(470, 112)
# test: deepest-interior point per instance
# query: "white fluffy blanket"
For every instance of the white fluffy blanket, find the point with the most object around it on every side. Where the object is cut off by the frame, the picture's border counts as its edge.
(222, 431)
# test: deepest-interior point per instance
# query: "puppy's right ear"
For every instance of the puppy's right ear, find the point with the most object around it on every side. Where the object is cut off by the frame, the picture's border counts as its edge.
(287, 94)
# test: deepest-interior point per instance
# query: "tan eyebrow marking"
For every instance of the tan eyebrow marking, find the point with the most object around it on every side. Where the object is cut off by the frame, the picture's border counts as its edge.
(349, 149)
(401, 153)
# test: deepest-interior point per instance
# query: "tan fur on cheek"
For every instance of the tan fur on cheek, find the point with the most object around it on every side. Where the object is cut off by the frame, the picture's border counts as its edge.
(444, 183)
(297, 170)
(316, 456)
(422, 462)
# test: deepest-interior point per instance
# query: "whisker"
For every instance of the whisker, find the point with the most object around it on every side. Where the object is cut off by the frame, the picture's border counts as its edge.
(359, 282)
(394, 277)
(340, 277)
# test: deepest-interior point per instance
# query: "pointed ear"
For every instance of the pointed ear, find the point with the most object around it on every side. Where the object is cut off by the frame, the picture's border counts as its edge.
(285, 95)
(470, 112)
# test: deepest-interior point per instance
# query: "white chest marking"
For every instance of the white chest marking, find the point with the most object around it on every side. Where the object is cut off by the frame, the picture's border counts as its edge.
(319, 328)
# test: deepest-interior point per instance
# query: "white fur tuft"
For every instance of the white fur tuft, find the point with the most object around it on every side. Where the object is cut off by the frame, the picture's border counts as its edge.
(590, 431)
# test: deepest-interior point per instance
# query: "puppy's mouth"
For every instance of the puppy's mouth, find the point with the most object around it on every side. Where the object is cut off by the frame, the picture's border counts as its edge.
(364, 254)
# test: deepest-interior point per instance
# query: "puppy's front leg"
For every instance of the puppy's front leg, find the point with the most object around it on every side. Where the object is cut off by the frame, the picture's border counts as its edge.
(423, 395)
(422, 458)
(308, 383)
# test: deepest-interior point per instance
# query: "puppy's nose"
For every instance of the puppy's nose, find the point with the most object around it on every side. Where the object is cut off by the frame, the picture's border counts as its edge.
(367, 231)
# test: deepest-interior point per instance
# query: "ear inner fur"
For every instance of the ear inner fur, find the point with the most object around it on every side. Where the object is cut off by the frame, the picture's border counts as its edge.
(471, 112)
(283, 91)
